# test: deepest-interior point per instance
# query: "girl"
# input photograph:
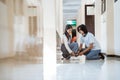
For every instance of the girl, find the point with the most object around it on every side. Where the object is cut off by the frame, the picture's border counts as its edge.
(68, 49)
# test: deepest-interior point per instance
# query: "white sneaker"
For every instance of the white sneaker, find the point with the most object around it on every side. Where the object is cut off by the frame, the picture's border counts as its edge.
(82, 58)
(72, 58)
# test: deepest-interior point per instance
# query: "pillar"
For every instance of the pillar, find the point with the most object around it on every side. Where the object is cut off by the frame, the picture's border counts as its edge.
(10, 26)
(49, 40)
(110, 26)
(98, 20)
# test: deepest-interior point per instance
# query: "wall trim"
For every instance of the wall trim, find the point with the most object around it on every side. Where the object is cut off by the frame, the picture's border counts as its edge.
(111, 55)
(117, 56)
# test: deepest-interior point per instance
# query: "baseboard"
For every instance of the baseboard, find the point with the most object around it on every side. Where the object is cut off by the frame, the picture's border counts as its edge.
(113, 56)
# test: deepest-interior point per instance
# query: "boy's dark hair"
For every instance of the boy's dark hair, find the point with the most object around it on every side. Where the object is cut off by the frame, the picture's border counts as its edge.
(83, 28)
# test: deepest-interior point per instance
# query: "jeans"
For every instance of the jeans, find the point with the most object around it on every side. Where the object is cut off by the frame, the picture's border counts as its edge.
(73, 46)
(93, 55)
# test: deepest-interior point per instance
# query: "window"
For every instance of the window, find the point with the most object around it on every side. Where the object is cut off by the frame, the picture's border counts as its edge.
(32, 20)
(33, 25)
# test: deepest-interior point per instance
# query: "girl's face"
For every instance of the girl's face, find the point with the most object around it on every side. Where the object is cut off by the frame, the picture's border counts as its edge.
(69, 31)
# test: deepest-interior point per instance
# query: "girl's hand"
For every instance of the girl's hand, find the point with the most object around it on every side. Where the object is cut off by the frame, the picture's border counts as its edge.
(72, 54)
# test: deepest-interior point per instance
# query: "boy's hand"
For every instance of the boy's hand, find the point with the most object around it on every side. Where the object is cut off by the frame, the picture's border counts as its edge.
(81, 53)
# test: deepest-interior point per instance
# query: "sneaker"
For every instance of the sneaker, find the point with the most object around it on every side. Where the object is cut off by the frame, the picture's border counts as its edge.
(72, 58)
(67, 58)
(62, 58)
(102, 56)
(76, 55)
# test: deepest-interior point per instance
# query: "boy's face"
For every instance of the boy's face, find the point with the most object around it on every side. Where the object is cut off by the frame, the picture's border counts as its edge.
(81, 32)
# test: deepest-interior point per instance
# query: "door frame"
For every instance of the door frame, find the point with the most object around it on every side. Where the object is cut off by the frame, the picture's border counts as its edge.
(89, 5)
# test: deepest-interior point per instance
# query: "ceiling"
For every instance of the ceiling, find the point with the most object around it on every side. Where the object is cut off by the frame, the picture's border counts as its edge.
(70, 8)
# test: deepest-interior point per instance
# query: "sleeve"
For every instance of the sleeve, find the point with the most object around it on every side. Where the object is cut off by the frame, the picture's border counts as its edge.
(81, 40)
(91, 39)
(65, 41)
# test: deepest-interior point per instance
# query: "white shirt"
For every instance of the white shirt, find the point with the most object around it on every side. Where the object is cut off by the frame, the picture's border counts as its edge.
(88, 39)
(66, 42)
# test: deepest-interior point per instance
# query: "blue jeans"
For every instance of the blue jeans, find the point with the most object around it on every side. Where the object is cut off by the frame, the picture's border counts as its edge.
(74, 47)
(93, 55)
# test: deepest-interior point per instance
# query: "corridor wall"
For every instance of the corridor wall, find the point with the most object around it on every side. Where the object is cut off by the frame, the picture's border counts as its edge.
(117, 27)
(5, 33)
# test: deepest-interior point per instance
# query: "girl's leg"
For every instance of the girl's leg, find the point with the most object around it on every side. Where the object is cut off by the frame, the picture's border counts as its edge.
(65, 53)
(74, 47)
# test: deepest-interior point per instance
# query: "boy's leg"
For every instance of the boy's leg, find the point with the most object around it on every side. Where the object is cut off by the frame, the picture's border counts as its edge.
(93, 55)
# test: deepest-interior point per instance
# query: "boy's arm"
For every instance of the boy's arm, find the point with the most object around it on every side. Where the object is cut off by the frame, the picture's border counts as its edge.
(87, 49)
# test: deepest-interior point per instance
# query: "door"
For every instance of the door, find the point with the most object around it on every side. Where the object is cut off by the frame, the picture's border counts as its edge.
(89, 18)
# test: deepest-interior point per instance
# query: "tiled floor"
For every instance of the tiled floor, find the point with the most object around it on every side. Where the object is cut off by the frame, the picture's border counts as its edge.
(20, 68)
(108, 69)
(32, 69)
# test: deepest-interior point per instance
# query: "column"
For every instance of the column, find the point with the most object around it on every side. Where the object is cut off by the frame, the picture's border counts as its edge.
(110, 26)
(117, 27)
(59, 20)
(98, 20)
(61, 17)
(10, 10)
(49, 40)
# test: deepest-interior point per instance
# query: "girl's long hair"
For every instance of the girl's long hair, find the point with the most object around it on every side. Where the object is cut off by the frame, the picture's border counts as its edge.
(66, 33)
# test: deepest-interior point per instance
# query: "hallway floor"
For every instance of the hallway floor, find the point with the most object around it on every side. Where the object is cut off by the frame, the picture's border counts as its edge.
(108, 69)
(32, 69)
(21, 68)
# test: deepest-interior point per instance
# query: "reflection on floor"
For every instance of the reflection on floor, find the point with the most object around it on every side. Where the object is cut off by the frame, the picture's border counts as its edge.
(108, 69)
(21, 68)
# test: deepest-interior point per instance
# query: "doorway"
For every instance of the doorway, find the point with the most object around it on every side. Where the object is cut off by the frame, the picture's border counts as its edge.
(90, 18)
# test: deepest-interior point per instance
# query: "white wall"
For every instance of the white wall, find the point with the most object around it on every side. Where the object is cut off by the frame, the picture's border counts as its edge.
(104, 26)
(20, 33)
(59, 17)
(3, 15)
(100, 26)
(117, 27)
(80, 18)
(4, 32)
(110, 26)
(103, 33)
